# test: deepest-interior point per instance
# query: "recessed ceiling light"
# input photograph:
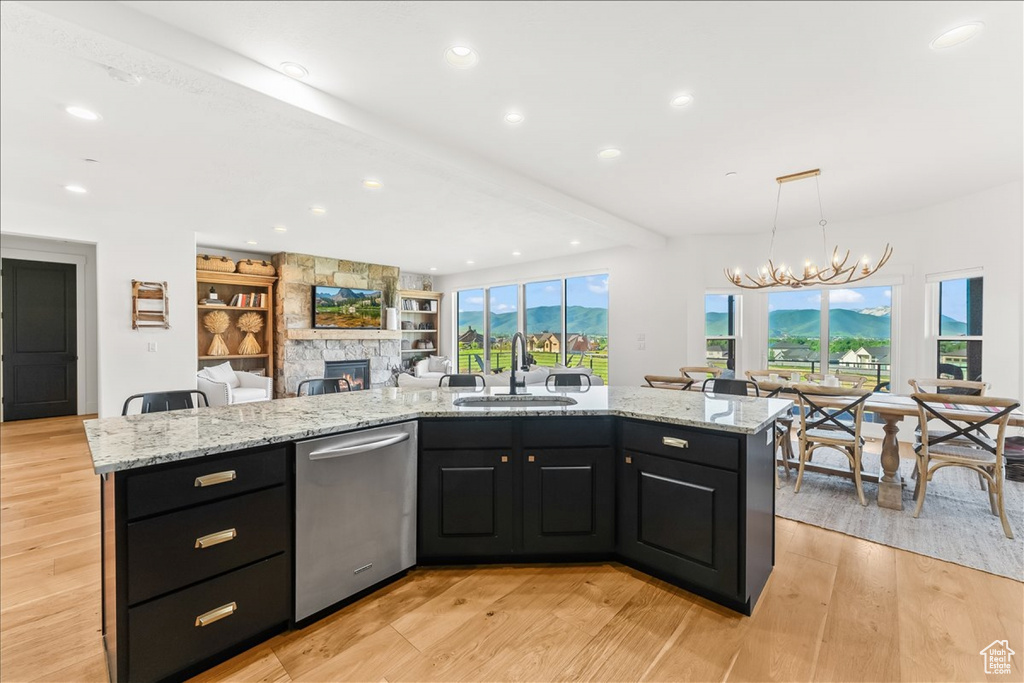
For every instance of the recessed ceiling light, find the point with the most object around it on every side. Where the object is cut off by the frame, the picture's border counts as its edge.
(252, 243)
(469, 263)
(955, 36)
(280, 228)
(682, 100)
(77, 189)
(460, 57)
(317, 210)
(514, 117)
(372, 184)
(730, 174)
(517, 253)
(82, 113)
(294, 70)
(610, 153)
(123, 76)
(433, 267)
(575, 243)
(91, 161)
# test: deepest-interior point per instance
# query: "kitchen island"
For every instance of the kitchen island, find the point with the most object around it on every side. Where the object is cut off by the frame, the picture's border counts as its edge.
(199, 505)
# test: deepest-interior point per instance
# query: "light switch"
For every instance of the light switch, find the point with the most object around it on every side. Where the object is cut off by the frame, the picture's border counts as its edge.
(152, 347)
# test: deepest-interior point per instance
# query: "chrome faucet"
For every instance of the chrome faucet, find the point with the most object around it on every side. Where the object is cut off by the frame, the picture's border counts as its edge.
(513, 384)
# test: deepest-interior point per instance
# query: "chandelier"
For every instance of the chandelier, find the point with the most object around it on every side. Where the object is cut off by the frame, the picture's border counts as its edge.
(837, 271)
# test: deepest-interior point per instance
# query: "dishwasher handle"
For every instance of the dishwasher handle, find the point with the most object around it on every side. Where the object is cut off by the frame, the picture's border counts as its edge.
(327, 453)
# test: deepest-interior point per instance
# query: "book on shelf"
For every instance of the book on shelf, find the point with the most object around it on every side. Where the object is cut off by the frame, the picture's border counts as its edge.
(250, 300)
(212, 302)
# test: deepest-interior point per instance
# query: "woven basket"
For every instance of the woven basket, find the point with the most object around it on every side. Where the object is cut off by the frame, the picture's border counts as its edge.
(219, 264)
(250, 267)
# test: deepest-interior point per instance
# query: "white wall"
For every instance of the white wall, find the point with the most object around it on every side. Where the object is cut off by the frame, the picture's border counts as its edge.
(661, 292)
(84, 258)
(153, 251)
(641, 283)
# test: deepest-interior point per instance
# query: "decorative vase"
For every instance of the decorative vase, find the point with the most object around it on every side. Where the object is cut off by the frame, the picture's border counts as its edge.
(250, 323)
(216, 323)
(391, 316)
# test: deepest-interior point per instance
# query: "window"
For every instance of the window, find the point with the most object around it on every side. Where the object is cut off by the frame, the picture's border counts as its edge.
(960, 330)
(566, 322)
(502, 322)
(470, 327)
(586, 323)
(720, 331)
(852, 325)
(794, 331)
(544, 316)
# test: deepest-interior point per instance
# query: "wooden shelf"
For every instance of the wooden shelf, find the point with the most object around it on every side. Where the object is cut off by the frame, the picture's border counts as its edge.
(421, 312)
(433, 351)
(234, 308)
(235, 356)
(420, 331)
(342, 334)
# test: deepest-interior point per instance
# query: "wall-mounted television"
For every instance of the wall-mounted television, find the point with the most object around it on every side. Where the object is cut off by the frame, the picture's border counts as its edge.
(346, 308)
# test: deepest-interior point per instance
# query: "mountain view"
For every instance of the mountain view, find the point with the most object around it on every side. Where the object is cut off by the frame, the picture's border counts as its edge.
(591, 321)
(869, 323)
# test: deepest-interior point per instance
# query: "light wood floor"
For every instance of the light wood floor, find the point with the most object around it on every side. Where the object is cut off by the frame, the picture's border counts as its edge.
(836, 608)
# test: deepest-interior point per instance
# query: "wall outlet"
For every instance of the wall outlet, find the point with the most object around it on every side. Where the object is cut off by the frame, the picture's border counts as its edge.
(152, 347)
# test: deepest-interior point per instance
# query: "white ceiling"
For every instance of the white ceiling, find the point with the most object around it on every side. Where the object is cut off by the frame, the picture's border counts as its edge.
(851, 88)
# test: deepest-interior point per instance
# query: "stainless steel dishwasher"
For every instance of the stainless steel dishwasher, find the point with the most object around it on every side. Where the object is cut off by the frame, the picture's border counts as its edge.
(355, 513)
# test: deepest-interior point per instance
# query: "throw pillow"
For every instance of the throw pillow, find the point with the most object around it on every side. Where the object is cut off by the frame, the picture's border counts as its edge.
(224, 374)
(437, 364)
(420, 367)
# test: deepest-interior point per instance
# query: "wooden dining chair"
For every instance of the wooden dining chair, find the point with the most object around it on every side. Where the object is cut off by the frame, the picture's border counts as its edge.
(700, 373)
(669, 382)
(963, 443)
(161, 401)
(766, 375)
(822, 427)
(324, 385)
(939, 385)
(845, 380)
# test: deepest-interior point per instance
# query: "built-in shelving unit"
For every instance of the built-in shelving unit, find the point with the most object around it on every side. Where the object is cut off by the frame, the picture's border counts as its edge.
(419, 313)
(227, 285)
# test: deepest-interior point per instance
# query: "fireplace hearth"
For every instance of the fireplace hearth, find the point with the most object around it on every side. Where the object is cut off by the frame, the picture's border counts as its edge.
(357, 372)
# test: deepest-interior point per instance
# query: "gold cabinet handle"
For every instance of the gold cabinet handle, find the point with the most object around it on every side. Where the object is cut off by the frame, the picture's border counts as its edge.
(629, 460)
(216, 478)
(674, 442)
(531, 458)
(216, 614)
(504, 458)
(216, 538)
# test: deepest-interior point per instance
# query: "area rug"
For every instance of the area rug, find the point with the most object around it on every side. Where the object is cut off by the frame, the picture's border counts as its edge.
(955, 525)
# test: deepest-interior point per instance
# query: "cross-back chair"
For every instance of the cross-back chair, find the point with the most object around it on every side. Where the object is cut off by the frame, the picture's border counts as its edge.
(964, 443)
(821, 426)
(568, 379)
(700, 373)
(939, 385)
(845, 380)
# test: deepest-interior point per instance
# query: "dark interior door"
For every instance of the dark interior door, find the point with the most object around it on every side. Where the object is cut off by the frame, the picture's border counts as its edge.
(40, 354)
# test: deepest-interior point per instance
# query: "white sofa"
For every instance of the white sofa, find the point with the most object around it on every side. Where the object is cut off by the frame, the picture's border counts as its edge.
(225, 386)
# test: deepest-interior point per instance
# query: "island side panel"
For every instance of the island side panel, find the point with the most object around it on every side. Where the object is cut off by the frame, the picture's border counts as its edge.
(758, 494)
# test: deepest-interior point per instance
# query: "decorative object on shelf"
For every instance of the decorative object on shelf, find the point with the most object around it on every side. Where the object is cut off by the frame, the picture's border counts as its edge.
(406, 344)
(149, 305)
(837, 272)
(392, 318)
(251, 324)
(217, 323)
(249, 267)
(407, 325)
(389, 295)
(218, 264)
(212, 299)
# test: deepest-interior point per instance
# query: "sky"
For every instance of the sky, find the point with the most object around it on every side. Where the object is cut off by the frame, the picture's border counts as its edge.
(954, 299)
(854, 299)
(589, 291)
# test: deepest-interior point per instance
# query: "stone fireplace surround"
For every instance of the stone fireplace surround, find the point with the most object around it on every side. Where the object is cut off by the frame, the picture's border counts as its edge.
(297, 358)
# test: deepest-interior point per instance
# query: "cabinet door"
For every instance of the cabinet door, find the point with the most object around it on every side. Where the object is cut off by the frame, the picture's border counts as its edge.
(680, 519)
(568, 501)
(466, 504)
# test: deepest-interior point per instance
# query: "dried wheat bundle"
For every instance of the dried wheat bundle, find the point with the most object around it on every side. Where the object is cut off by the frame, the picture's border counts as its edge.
(250, 323)
(216, 323)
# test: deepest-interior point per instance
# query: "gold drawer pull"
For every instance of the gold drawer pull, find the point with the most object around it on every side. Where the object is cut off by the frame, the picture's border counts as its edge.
(674, 442)
(216, 538)
(531, 458)
(216, 614)
(215, 478)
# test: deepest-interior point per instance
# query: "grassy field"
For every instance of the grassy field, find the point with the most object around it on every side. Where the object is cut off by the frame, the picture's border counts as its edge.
(598, 362)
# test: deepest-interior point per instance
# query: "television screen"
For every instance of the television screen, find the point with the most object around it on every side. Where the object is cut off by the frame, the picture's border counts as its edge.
(344, 307)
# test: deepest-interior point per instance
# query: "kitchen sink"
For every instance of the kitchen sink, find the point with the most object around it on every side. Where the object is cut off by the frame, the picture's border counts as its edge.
(514, 400)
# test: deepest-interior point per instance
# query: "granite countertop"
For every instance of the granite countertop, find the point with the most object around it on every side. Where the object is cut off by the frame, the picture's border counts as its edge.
(124, 443)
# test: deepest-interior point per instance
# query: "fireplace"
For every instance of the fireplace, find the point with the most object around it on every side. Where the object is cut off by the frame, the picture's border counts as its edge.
(357, 372)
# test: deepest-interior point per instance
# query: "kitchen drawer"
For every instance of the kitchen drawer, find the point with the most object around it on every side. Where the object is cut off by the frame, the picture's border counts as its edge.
(208, 479)
(162, 552)
(467, 432)
(164, 634)
(573, 432)
(693, 445)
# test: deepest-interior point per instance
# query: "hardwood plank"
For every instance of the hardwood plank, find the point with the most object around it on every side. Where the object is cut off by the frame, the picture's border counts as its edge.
(781, 642)
(817, 543)
(862, 616)
(367, 660)
(997, 606)
(598, 598)
(258, 664)
(92, 669)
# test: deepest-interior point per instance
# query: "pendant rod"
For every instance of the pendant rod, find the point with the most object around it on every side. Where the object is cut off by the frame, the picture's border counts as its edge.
(798, 176)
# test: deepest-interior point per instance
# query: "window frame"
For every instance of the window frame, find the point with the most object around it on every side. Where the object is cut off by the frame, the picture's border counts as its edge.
(935, 281)
(737, 317)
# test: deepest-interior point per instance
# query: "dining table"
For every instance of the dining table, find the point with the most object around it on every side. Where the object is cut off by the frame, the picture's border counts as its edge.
(892, 408)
